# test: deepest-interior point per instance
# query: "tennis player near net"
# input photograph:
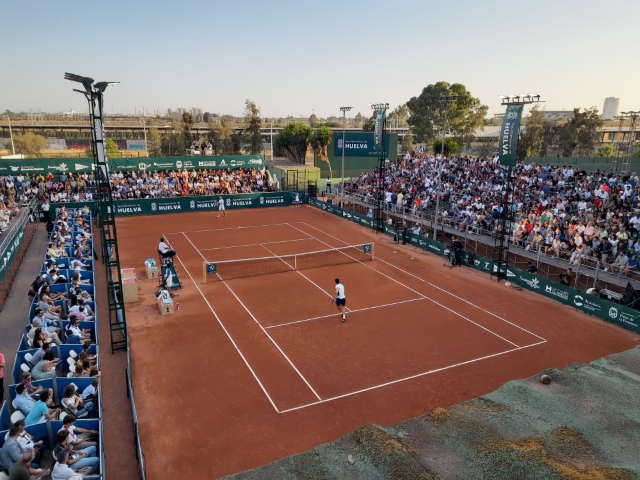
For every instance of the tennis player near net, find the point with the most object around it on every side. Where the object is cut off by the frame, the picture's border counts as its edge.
(340, 300)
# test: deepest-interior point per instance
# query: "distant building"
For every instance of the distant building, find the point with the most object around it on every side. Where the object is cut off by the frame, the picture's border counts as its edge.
(196, 111)
(610, 109)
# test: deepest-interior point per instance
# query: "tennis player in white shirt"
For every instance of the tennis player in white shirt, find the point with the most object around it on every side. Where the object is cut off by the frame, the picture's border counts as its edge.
(340, 300)
(221, 208)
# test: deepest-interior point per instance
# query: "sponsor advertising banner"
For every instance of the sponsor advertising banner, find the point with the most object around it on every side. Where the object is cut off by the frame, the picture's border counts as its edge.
(35, 166)
(509, 135)
(56, 166)
(598, 307)
(157, 206)
(358, 144)
(232, 162)
(10, 253)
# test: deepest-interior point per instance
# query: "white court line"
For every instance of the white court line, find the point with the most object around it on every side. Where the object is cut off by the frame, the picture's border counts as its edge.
(409, 378)
(258, 323)
(229, 228)
(422, 295)
(462, 299)
(435, 286)
(195, 248)
(255, 244)
(352, 311)
(228, 335)
(269, 337)
(303, 275)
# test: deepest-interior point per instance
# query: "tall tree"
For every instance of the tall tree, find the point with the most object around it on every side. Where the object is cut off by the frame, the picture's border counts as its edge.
(399, 116)
(579, 135)
(320, 141)
(313, 120)
(451, 147)
(154, 142)
(537, 136)
(293, 141)
(426, 112)
(252, 123)
(186, 126)
(358, 119)
(29, 144)
(370, 123)
(221, 134)
(112, 149)
(607, 150)
(407, 142)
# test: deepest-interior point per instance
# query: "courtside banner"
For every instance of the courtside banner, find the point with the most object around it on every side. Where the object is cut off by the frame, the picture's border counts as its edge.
(508, 141)
(158, 206)
(378, 129)
(10, 253)
(57, 166)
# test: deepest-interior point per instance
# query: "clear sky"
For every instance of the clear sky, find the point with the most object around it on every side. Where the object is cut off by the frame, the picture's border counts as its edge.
(297, 56)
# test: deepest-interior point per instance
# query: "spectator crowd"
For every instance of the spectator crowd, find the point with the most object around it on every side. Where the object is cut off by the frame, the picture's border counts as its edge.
(62, 323)
(563, 211)
(177, 183)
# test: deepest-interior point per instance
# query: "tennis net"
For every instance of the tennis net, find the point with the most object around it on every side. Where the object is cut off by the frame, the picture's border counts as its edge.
(251, 267)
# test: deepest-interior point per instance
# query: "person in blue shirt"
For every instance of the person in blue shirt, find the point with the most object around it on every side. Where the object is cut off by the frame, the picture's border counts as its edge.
(40, 411)
(23, 401)
(634, 264)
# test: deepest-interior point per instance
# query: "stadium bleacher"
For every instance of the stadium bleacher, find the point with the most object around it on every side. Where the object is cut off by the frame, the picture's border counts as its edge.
(70, 355)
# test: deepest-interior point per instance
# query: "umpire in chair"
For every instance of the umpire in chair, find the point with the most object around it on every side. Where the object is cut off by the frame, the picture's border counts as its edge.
(164, 251)
(456, 246)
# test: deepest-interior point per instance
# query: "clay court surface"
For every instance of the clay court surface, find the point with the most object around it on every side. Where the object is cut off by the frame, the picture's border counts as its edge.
(257, 368)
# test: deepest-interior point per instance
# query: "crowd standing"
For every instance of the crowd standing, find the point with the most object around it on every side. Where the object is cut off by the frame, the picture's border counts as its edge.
(563, 211)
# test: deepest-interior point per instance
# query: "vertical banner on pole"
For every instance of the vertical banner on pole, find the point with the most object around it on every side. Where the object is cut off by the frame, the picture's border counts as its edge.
(378, 131)
(509, 134)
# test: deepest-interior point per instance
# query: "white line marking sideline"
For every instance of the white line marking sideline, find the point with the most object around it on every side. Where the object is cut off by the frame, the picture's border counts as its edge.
(269, 337)
(408, 378)
(422, 295)
(228, 335)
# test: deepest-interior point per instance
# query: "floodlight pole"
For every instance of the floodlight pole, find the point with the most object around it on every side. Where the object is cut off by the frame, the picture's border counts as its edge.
(13, 147)
(378, 223)
(344, 111)
(447, 99)
(105, 211)
(501, 244)
(144, 129)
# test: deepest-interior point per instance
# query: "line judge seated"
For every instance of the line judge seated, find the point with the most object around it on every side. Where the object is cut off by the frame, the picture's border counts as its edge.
(164, 250)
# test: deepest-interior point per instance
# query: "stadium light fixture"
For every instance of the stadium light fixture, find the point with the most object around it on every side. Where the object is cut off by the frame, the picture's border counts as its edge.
(344, 111)
(520, 99)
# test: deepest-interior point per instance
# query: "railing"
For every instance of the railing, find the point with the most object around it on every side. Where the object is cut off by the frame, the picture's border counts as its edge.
(589, 271)
(14, 246)
(139, 453)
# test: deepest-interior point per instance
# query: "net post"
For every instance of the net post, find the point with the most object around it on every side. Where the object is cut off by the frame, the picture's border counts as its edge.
(372, 254)
(204, 271)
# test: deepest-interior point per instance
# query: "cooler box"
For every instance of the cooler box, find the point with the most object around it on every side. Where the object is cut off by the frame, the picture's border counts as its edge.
(166, 306)
(128, 273)
(151, 268)
(130, 290)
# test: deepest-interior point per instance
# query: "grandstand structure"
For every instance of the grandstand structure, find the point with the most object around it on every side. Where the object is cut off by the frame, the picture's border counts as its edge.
(67, 373)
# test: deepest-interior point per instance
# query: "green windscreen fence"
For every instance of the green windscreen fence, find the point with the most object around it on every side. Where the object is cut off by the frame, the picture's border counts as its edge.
(159, 206)
(604, 309)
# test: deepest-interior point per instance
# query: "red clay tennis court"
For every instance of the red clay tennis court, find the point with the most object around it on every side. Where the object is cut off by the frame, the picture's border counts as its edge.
(258, 365)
